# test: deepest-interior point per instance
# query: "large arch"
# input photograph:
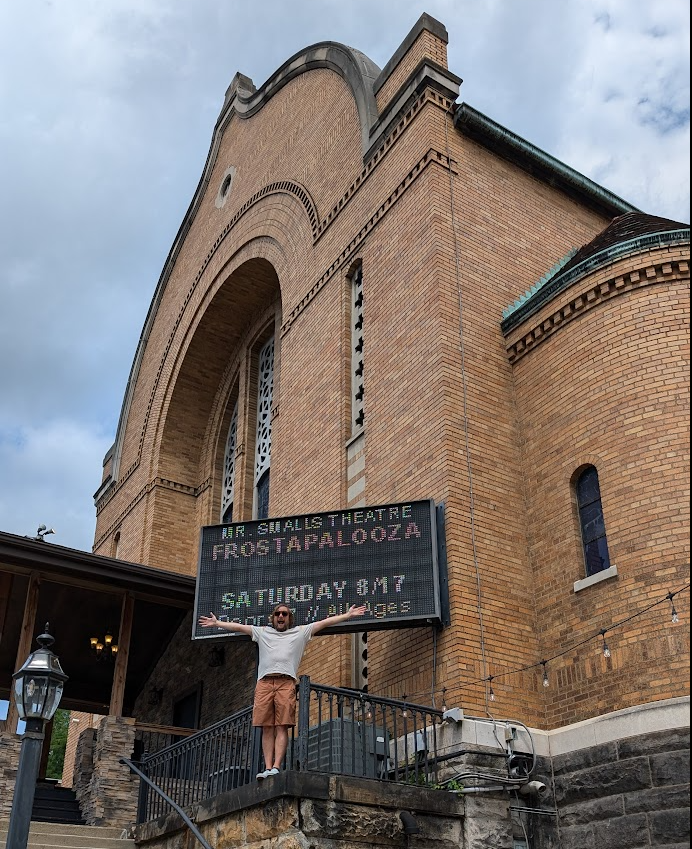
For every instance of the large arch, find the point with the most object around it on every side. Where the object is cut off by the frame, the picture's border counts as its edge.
(237, 305)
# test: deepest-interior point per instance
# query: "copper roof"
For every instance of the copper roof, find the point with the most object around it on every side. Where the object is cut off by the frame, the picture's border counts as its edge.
(623, 228)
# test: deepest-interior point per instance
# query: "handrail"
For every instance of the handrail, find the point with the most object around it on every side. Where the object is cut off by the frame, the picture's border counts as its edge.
(172, 730)
(204, 732)
(188, 822)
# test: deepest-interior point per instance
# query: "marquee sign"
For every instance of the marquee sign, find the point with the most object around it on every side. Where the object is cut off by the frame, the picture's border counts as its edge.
(320, 564)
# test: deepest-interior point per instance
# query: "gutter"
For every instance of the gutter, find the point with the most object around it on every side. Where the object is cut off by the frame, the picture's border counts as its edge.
(535, 161)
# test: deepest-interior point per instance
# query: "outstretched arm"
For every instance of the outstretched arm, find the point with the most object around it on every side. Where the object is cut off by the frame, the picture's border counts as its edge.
(212, 622)
(339, 617)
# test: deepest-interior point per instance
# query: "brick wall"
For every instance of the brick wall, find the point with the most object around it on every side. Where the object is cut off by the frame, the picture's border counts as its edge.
(610, 389)
(78, 723)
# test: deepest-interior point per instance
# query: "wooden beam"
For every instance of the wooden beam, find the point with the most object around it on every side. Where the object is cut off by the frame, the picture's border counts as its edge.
(26, 640)
(43, 766)
(120, 674)
(5, 590)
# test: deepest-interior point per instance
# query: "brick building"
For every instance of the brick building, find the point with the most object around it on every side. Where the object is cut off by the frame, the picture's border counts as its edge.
(377, 295)
(334, 175)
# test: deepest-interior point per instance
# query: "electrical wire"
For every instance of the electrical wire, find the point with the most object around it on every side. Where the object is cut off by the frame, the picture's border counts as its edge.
(597, 634)
(467, 444)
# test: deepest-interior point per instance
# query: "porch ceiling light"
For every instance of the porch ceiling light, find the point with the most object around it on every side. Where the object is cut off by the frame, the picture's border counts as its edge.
(103, 648)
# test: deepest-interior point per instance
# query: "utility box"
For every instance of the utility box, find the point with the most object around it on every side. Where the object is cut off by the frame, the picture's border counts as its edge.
(348, 747)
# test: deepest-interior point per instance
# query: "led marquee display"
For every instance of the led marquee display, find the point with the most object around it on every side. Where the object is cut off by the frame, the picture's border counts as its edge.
(320, 564)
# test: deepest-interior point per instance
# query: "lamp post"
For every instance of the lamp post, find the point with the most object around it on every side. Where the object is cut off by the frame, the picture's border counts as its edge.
(37, 691)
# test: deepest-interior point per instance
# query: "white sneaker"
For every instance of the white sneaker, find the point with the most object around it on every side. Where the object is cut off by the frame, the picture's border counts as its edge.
(273, 771)
(264, 774)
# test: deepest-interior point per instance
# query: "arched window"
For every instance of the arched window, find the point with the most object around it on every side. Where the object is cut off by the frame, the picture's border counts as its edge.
(593, 532)
(228, 492)
(263, 442)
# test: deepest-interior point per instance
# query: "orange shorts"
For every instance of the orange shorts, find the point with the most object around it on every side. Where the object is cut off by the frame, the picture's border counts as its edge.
(275, 701)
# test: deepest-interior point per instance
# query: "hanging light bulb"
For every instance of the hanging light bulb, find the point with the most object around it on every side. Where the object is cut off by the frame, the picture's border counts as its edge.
(674, 618)
(546, 681)
(491, 694)
(606, 650)
(404, 712)
(444, 699)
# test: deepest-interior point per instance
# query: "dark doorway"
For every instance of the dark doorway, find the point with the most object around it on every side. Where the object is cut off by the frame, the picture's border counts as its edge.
(186, 711)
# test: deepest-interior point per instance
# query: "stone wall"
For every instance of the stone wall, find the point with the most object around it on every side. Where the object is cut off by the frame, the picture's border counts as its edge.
(83, 765)
(300, 810)
(627, 793)
(616, 782)
(9, 758)
(185, 664)
(110, 798)
(78, 723)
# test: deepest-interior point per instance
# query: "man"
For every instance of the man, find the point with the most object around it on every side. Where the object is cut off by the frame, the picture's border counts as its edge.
(281, 646)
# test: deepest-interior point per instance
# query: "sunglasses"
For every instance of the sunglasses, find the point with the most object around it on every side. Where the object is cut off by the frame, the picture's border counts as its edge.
(281, 613)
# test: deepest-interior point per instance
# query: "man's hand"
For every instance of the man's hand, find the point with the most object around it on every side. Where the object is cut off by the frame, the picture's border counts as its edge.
(209, 621)
(234, 627)
(354, 610)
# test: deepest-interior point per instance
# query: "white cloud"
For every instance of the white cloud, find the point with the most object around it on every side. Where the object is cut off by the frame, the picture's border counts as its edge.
(106, 115)
(49, 472)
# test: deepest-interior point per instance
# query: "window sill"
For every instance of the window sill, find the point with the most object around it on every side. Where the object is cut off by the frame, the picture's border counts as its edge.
(355, 437)
(610, 572)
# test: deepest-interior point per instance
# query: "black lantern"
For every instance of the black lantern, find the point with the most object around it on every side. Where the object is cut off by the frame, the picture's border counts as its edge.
(39, 682)
(37, 691)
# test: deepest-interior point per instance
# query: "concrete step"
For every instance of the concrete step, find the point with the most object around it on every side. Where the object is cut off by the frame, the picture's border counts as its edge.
(46, 835)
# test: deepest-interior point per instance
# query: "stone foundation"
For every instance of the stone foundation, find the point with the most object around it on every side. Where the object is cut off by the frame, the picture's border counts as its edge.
(620, 781)
(629, 793)
(301, 810)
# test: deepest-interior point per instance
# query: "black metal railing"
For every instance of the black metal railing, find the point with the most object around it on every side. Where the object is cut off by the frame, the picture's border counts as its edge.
(219, 758)
(354, 733)
(339, 731)
(150, 739)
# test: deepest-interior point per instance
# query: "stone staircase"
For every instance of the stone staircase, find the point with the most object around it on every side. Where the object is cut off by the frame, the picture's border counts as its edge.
(50, 835)
(56, 804)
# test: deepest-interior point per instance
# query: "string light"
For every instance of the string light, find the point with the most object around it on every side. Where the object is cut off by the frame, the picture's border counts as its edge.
(606, 650)
(674, 618)
(404, 712)
(444, 699)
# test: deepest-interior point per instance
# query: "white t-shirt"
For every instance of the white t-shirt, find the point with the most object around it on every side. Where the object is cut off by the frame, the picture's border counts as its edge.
(280, 652)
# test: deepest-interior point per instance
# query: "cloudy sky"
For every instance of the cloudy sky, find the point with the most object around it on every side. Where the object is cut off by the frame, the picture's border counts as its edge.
(106, 114)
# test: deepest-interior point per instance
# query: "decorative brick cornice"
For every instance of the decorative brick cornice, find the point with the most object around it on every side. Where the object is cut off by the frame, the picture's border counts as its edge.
(121, 515)
(590, 297)
(431, 96)
(432, 157)
(557, 281)
(155, 483)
